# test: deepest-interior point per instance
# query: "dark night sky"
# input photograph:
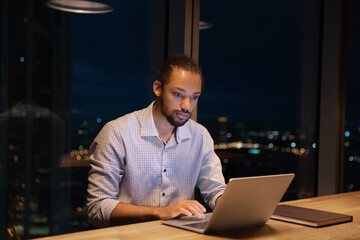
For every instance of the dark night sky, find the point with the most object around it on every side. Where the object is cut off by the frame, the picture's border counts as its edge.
(110, 60)
(255, 74)
(353, 70)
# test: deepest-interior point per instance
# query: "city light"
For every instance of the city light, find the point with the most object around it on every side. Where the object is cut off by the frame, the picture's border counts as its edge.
(10, 230)
(85, 124)
(222, 119)
(81, 154)
(347, 134)
(254, 151)
(354, 159)
(253, 147)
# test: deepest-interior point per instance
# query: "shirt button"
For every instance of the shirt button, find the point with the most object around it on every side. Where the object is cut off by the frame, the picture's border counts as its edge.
(164, 170)
(163, 194)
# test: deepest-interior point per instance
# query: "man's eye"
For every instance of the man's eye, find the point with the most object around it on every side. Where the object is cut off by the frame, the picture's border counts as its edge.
(194, 97)
(178, 95)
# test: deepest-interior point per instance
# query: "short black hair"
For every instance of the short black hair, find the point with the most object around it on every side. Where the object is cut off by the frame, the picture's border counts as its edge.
(181, 61)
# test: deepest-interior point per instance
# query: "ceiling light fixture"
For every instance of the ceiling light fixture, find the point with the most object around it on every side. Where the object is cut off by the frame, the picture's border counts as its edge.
(204, 25)
(79, 6)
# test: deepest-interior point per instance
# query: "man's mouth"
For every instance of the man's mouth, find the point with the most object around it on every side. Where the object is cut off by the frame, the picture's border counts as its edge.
(182, 115)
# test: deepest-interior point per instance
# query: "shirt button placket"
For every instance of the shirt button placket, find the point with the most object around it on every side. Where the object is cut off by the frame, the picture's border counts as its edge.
(164, 185)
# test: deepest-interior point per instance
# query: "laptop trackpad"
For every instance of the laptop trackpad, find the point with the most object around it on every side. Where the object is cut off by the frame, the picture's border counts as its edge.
(189, 222)
(199, 225)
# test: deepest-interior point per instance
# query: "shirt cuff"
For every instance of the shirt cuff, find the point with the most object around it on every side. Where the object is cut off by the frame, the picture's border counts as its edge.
(215, 197)
(107, 207)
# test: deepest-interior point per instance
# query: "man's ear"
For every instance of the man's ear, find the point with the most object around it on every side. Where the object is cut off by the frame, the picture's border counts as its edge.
(157, 88)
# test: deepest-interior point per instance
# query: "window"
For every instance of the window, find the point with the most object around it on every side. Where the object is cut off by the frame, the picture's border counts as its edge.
(260, 65)
(68, 74)
(352, 127)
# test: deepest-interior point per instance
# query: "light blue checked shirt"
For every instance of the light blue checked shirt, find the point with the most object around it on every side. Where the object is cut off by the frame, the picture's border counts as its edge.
(131, 164)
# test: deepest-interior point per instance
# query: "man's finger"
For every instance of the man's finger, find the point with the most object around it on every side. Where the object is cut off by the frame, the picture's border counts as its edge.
(201, 207)
(199, 211)
(196, 211)
(186, 212)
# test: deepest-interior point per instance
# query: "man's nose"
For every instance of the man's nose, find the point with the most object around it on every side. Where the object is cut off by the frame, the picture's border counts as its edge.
(185, 104)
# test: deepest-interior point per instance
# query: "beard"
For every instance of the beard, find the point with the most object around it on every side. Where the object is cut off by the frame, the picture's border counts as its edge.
(172, 117)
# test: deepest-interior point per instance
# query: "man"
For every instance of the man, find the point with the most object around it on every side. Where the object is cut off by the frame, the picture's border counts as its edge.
(146, 164)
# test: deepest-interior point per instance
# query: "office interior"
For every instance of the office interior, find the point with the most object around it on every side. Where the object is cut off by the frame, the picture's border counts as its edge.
(280, 94)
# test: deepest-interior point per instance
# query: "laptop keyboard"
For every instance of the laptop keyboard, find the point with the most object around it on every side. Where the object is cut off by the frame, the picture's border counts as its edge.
(199, 225)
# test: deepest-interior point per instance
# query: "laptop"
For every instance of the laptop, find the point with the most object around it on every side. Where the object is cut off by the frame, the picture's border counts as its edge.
(246, 201)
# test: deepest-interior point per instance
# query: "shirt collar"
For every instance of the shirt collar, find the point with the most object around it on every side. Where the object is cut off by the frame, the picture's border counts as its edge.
(149, 129)
(148, 125)
(183, 132)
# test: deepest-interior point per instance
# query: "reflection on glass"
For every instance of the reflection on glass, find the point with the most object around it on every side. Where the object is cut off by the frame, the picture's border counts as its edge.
(33, 155)
(67, 75)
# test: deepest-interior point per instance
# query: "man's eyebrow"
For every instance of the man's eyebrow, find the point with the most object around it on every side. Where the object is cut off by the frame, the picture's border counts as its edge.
(183, 90)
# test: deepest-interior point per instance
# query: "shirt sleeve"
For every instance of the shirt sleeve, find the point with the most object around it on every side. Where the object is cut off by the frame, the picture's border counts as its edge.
(107, 168)
(211, 180)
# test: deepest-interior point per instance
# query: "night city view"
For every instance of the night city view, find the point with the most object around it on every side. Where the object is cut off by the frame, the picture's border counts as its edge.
(253, 153)
(65, 75)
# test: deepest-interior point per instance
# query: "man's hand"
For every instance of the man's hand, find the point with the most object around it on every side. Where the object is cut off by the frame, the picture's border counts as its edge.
(186, 207)
(127, 213)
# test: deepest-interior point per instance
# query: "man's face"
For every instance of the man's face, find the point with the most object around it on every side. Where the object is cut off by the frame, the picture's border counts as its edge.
(178, 98)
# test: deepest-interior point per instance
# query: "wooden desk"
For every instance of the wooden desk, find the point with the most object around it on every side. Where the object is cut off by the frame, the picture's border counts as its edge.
(346, 203)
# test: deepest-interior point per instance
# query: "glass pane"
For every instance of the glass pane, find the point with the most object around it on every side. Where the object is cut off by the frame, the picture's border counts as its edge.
(352, 127)
(259, 102)
(66, 75)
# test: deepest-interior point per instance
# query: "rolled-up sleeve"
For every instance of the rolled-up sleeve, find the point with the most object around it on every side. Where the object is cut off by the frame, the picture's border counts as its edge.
(211, 180)
(105, 175)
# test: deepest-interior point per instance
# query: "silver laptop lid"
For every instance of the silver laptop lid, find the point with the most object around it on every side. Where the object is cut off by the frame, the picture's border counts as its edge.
(246, 201)
(249, 201)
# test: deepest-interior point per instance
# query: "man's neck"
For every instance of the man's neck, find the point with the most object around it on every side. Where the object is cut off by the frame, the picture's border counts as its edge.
(164, 128)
